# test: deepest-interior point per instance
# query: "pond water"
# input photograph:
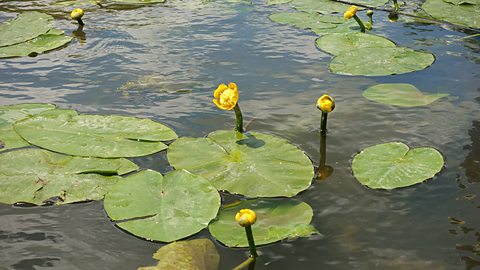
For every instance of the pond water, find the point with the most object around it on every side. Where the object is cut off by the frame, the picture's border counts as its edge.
(164, 61)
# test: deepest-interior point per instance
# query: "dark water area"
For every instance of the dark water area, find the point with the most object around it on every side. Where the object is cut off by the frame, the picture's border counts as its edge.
(164, 61)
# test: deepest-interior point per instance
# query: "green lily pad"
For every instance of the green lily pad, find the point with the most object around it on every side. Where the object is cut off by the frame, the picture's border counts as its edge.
(380, 61)
(301, 20)
(318, 23)
(252, 164)
(109, 136)
(25, 27)
(330, 6)
(196, 254)
(278, 2)
(40, 44)
(393, 165)
(11, 113)
(164, 209)
(400, 94)
(36, 175)
(276, 220)
(459, 12)
(340, 43)
(139, 1)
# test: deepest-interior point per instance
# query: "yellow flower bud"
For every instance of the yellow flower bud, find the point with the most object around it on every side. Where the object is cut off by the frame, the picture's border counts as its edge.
(246, 217)
(226, 97)
(325, 104)
(351, 11)
(77, 14)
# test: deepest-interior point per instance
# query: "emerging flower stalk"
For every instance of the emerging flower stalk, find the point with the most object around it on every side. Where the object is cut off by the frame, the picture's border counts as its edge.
(77, 14)
(325, 104)
(352, 12)
(246, 218)
(226, 98)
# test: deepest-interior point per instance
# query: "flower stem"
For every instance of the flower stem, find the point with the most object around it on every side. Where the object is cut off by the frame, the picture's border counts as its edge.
(250, 262)
(362, 26)
(251, 242)
(238, 115)
(396, 7)
(323, 124)
(80, 22)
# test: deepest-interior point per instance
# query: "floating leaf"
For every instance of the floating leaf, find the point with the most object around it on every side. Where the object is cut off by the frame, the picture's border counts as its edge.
(400, 94)
(11, 113)
(196, 254)
(94, 135)
(25, 27)
(306, 20)
(159, 208)
(276, 220)
(330, 6)
(252, 164)
(139, 1)
(456, 12)
(393, 165)
(36, 175)
(380, 61)
(40, 44)
(278, 2)
(340, 43)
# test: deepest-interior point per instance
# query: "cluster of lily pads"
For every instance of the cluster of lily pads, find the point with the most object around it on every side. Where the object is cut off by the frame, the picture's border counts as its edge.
(82, 157)
(29, 34)
(355, 53)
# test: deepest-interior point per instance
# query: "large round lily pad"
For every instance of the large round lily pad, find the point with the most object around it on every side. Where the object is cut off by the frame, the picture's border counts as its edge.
(9, 114)
(306, 20)
(461, 12)
(94, 135)
(252, 164)
(337, 43)
(318, 23)
(164, 209)
(40, 44)
(330, 6)
(196, 254)
(393, 165)
(276, 220)
(30, 33)
(25, 27)
(36, 176)
(380, 61)
(400, 94)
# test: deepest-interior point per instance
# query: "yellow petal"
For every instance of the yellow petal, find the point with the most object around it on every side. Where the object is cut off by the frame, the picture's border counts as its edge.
(246, 217)
(222, 87)
(326, 104)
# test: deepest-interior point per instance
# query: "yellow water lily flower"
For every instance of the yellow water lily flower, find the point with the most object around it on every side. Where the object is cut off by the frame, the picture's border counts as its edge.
(325, 104)
(77, 14)
(226, 97)
(246, 217)
(351, 11)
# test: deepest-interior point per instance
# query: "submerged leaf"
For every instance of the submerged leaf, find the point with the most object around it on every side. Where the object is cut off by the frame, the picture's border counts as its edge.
(380, 61)
(393, 165)
(25, 27)
(164, 209)
(197, 254)
(252, 164)
(108, 136)
(36, 175)
(11, 113)
(276, 220)
(400, 94)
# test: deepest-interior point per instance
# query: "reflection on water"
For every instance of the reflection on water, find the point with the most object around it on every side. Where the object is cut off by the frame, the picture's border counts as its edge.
(138, 61)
